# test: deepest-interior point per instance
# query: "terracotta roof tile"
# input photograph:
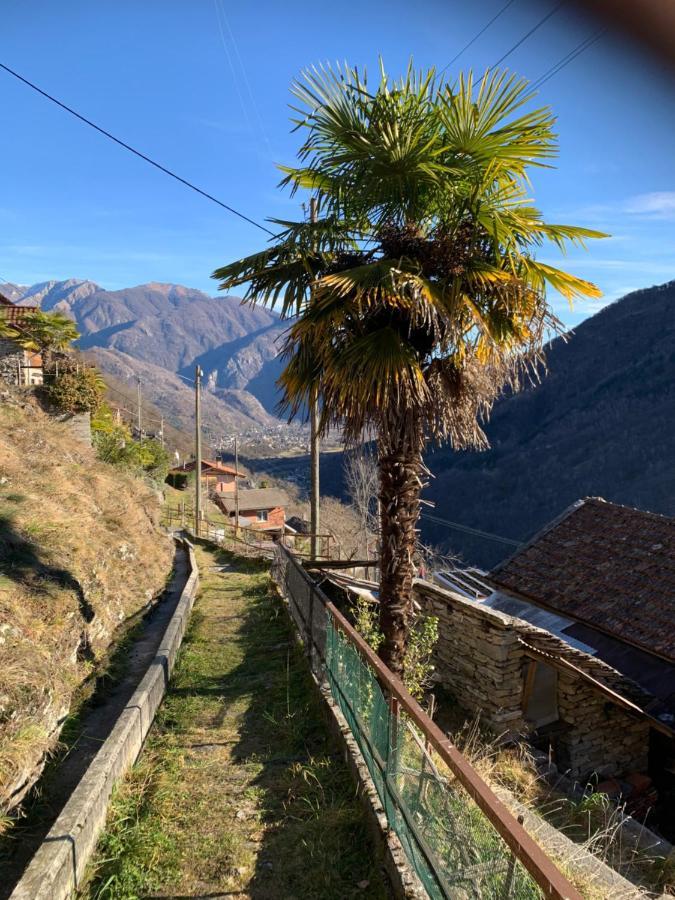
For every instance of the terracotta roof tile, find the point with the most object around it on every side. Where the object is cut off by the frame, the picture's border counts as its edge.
(604, 564)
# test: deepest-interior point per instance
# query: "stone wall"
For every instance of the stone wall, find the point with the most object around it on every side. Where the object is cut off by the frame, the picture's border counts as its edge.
(478, 656)
(11, 358)
(602, 738)
(79, 425)
(482, 656)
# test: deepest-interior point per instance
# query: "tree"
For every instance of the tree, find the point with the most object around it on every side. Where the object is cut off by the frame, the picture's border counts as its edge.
(77, 390)
(361, 478)
(416, 297)
(42, 332)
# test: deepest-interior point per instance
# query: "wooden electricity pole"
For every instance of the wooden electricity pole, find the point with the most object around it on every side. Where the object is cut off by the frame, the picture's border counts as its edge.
(198, 450)
(140, 419)
(314, 446)
(236, 490)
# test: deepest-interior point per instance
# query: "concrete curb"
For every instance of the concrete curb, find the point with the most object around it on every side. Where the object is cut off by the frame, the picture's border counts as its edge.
(56, 868)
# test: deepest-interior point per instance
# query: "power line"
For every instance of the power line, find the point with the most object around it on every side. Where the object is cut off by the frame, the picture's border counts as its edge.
(528, 34)
(131, 149)
(568, 58)
(474, 531)
(475, 38)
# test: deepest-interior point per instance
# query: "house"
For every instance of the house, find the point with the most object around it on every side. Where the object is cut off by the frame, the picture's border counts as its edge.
(18, 366)
(606, 574)
(263, 508)
(217, 477)
(571, 641)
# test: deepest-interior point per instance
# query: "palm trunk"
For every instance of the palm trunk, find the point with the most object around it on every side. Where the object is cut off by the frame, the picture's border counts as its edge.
(400, 464)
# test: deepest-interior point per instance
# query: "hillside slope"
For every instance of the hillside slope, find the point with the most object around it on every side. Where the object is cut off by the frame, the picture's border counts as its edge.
(80, 552)
(155, 329)
(602, 423)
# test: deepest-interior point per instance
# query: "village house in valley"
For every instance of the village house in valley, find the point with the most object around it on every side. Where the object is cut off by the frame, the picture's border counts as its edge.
(571, 641)
(216, 476)
(263, 508)
(18, 366)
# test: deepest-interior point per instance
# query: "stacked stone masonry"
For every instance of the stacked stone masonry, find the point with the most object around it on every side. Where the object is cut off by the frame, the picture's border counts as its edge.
(481, 658)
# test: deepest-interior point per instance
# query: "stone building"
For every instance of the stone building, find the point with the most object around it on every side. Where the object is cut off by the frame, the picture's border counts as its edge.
(17, 366)
(572, 641)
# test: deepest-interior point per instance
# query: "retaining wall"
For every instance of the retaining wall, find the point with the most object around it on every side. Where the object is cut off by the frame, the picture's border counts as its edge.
(55, 871)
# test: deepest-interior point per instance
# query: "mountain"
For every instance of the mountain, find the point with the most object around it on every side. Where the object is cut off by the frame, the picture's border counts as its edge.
(160, 332)
(601, 423)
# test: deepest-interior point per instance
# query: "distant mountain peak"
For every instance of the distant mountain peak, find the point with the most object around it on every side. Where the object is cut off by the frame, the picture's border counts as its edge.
(165, 329)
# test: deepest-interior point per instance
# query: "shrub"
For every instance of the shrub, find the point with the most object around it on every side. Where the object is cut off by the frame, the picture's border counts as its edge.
(114, 444)
(418, 667)
(76, 391)
(178, 480)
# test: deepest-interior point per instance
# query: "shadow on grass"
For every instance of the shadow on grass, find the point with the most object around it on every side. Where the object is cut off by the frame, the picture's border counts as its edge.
(316, 844)
(289, 807)
(95, 707)
(21, 562)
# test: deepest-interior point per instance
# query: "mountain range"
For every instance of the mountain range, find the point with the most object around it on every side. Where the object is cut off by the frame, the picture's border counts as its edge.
(160, 332)
(601, 423)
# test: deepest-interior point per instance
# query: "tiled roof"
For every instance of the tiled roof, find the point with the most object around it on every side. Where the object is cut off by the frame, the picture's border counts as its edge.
(208, 465)
(610, 566)
(260, 498)
(10, 312)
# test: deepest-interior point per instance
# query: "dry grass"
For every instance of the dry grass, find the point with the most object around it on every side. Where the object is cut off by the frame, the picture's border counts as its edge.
(80, 552)
(593, 824)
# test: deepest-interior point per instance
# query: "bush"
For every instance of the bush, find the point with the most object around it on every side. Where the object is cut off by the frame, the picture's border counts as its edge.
(178, 480)
(417, 668)
(114, 444)
(76, 391)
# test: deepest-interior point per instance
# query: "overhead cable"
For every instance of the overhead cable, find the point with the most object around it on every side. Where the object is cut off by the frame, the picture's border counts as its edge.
(528, 34)
(477, 532)
(475, 37)
(568, 58)
(133, 150)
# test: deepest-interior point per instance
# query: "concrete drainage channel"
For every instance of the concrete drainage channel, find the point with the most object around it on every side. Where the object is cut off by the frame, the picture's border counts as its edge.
(59, 863)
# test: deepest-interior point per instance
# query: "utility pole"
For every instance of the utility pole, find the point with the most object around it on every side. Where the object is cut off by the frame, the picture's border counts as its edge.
(314, 446)
(198, 450)
(236, 490)
(140, 420)
(161, 431)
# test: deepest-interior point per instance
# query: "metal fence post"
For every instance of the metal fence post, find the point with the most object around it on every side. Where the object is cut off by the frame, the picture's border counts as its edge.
(511, 870)
(310, 628)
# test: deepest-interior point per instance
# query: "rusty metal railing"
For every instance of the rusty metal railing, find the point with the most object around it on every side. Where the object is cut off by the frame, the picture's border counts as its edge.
(359, 681)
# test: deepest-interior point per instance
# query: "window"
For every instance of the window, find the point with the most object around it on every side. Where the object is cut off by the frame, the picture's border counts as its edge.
(262, 515)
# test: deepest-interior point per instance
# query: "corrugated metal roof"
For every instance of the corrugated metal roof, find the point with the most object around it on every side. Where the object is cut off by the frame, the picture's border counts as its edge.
(535, 615)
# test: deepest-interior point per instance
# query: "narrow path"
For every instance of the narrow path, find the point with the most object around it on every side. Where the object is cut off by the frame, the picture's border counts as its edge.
(239, 792)
(87, 728)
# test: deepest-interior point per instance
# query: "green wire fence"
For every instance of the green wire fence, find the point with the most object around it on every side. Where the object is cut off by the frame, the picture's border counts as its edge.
(459, 838)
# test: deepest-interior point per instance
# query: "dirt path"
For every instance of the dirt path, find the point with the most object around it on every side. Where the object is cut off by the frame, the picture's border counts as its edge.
(85, 731)
(238, 792)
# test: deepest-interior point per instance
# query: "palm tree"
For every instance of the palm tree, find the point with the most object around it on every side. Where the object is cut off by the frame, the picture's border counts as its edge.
(416, 298)
(42, 332)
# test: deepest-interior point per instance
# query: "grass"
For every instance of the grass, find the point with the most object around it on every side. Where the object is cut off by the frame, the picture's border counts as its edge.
(239, 791)
(592, 823)
(72, 533)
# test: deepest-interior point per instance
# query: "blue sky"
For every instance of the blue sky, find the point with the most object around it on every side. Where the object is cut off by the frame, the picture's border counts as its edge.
(203, 88)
